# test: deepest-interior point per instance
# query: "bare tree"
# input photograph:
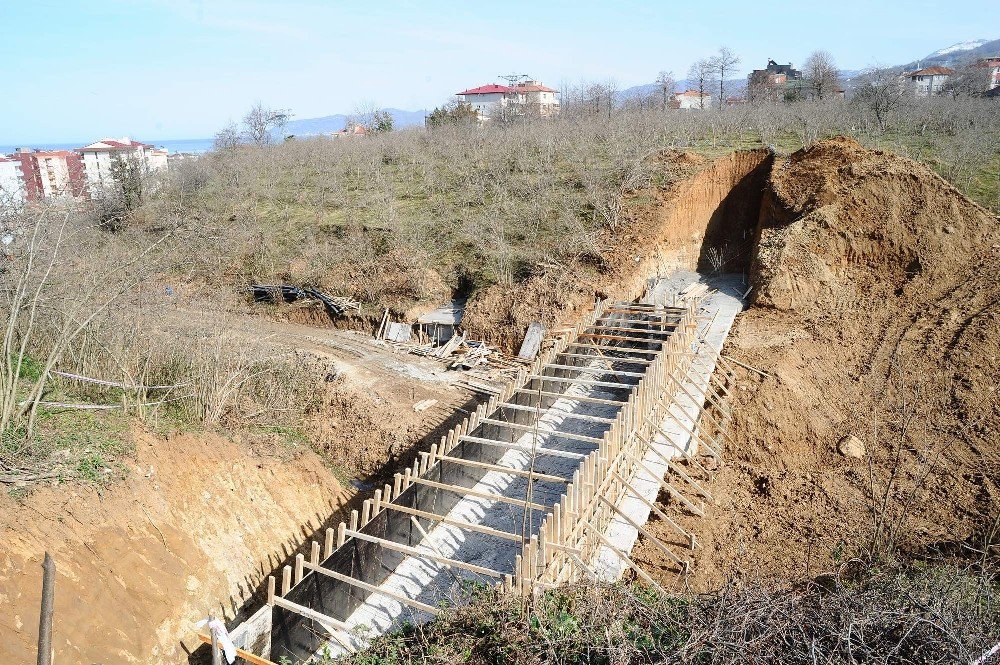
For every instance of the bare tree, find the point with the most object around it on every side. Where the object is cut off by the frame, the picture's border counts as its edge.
(371, 117)
(226, 138)
(667, 84)
(700, 75)
(970, 80)
(822, 73)
(880, 94)
(723, 64)
(260, 121)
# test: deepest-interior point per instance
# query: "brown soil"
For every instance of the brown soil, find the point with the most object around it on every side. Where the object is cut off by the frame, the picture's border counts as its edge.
(876, 314)
(708, 203)
(199, 520)
(138, 563)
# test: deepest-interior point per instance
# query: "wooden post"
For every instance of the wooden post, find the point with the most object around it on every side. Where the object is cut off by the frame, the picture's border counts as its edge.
(45, 617)
(341, 536)
(216, 652)
(270, 590)
(328, 544)
(286, 580)
(314, 553)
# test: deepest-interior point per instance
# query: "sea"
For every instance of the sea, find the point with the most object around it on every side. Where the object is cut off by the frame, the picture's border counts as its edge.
(192, 146)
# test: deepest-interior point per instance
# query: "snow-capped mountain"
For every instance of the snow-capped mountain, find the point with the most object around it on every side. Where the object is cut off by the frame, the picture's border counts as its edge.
(961, 46)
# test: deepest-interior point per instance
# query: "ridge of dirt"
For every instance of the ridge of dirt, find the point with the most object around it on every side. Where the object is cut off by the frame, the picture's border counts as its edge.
(877, 315)
(665, 230)
(197, 518)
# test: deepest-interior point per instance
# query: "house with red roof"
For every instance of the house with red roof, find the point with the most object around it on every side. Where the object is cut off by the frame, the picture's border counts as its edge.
(528, 97)
(929, 80)
(992, 64)
(692, 99)
(100, 156)
(537, 99)
(50, 174)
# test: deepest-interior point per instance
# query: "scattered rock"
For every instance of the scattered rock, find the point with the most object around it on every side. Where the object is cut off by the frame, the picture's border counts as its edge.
(949, 229)
(851, 446)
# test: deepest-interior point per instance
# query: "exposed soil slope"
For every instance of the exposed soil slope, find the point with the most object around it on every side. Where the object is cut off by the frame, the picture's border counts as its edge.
(707, 203)
(877, 315)
(137, 563)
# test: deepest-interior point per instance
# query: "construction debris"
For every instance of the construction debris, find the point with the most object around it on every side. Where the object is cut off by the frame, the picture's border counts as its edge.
(532, 343)
(335, 306)
(398, 332)
(424, 404)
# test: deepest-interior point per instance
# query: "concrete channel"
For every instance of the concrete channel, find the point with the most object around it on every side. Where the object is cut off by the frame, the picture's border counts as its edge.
(467, 511)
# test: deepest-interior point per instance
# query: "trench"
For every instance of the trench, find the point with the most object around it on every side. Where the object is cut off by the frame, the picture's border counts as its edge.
(481, 501)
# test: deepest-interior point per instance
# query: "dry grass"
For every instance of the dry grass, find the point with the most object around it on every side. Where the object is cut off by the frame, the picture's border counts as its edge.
(940, 613)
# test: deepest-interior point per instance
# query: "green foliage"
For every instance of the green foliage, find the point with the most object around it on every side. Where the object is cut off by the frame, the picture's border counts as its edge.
(939, 613)
(456, 113)
(381, 122)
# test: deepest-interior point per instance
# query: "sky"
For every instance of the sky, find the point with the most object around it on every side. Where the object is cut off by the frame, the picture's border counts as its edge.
(174, 69)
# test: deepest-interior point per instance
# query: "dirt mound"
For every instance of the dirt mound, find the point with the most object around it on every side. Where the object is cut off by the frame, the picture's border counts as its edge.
(198, 522)
(876, 315)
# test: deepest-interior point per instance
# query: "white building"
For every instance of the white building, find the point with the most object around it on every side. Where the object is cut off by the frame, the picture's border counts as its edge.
(691, 99)
(993, 64)
(486, 99)
(11, 184)
(929, 81)
(100, 157)
(529, 97)
(537, 99)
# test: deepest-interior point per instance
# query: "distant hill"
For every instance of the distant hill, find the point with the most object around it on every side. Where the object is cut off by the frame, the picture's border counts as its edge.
(958, 54)
(950, 56)
(334, 123)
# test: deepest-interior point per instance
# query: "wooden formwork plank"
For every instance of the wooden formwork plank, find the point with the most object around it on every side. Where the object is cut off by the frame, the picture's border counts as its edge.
(458, 489)
(579, 398)
(417, 553)
(524, 448)
(644, 331)
(673, 491)
(607, 359)
(643, 322)
(400, 598)
(555, 412)
(594, 370)
(624, 557)
(645, 532)
(434, 517)
(582, 382)
(504, 469)
(310, 613)
(617, 349)
(624, 338)
(542, 433)
(242, 653)
(656, 509)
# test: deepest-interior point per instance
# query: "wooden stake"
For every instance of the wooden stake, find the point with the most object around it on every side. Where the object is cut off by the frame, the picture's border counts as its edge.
(45, 655)
(413, 551)
(373, 589)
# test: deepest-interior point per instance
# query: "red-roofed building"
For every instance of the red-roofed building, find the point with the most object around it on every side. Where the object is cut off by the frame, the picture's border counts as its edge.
(537, 99)
(48, 174)
(929, 81)
(100, 157)
(691, 99)
(526, 98)
(993, 64)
